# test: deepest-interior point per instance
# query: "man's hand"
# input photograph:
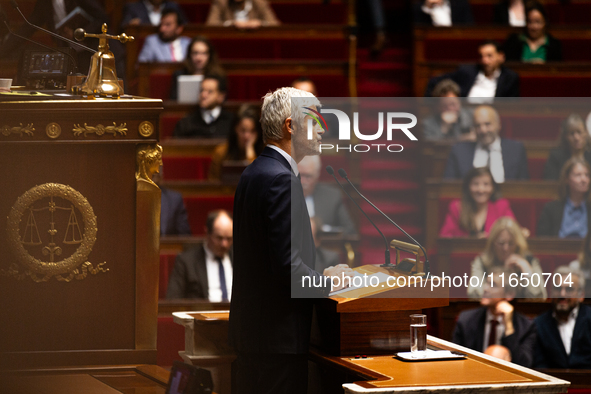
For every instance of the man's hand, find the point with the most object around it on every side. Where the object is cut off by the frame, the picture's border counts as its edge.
(341, 271)
(518, 263)
(505, 309)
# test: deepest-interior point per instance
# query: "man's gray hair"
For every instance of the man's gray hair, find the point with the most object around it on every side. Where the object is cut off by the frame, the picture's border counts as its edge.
(564, 270)
(278, 106)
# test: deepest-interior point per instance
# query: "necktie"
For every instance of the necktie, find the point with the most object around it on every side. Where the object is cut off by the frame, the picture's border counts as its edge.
(300, 177)
(492, 336)
(222, 280)
(172, 56)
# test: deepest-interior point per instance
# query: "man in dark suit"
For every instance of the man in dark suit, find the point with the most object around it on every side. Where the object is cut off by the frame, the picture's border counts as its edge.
(210, 119)
(325, 258)
(324, 201)
(173, 214)
(205, 271)
(564, 333)
(497, 324)
(505, 158)
(146, 12)
(274, 254)
(487, 79)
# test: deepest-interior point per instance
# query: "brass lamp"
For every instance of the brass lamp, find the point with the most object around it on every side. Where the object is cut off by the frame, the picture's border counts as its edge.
(102, 78)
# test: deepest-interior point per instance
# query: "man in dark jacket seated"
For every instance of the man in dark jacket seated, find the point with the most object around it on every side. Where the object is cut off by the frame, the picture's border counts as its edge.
(487, 79)
(564, 332)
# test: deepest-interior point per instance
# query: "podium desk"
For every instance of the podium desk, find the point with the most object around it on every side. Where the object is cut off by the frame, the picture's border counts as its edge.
(79, 242)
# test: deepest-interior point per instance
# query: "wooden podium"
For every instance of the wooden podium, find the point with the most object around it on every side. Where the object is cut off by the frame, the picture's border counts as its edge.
(79, 232)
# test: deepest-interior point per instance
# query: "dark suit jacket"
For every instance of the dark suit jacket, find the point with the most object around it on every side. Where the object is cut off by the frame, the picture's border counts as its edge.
(189, 275)
(139, 10)
(469, 332)
(556, 160)
(461, 13)
(549, 350)
(193, 125)
(173, 215)
(461, 158)
(551, 218)
(273, 249)
(465, 75)
(513, 48)
(330, 208)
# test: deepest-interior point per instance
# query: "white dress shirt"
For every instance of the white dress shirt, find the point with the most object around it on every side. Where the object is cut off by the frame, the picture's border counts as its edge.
(567, 328)
(153, 13)
(177, 52)
(440, 14)
(290, 160)
(484, 88)
(210, 115)
(310, 206)
(491, 158)
(487, 327)
(213, 276)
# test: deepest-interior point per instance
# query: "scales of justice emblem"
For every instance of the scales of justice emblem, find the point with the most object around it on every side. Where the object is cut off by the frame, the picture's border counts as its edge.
(44, 226)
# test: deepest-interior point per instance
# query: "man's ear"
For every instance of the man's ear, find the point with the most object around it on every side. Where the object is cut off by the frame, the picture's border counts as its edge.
(288, 126)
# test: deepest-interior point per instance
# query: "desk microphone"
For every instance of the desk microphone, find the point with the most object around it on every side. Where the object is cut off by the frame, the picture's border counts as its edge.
(343, 175)
(71, 42)
(74, 70)
(387, 251)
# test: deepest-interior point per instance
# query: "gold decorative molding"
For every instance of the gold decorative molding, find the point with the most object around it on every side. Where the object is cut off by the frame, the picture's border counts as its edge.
(53, 130)
(39, 200)
(7, 130)
(100, 129)
(148, 162)
(146, 129)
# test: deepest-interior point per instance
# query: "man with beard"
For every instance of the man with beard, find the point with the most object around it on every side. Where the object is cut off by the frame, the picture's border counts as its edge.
(564, 333)
(168, 45)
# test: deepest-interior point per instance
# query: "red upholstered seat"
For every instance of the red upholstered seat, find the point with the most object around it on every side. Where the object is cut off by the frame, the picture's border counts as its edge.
(199, 207)
(171, 340)
(556, 85)
(167, 124)
(186, 168)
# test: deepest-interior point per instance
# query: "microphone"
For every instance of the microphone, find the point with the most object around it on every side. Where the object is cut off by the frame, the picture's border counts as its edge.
(387, 251)
(343, 175)
(15, 6)
(75, 69)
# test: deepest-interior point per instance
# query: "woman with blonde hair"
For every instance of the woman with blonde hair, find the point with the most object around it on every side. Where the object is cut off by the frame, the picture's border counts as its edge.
(507, 247)
(574, 142)
(568, 217)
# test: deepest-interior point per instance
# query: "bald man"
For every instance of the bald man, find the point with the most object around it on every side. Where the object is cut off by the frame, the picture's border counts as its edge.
(505, 158)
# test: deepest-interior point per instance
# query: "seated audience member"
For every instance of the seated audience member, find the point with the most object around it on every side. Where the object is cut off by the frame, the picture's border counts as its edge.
(201, 59)
(505, 158)
(479, 207)
(489, 78)
(145, 12)
(510, 13)
(205, 271)
(324, 201)
(583, 262)
(574, 142)
(507, 247)
(173, 214)
(305, 84)
(244, 144)
(496, 325)
(451, 120)
(168, 45)
(564, 333)
(568, 217)
(443, 12)
(535, 44)
(243, 14)
(209, 119)
(324, 258)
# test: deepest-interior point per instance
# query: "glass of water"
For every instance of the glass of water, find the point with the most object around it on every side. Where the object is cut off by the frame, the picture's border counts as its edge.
(418, 334)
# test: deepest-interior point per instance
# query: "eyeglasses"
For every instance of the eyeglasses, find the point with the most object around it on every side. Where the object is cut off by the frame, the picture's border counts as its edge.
(568, 290)
(505, 243)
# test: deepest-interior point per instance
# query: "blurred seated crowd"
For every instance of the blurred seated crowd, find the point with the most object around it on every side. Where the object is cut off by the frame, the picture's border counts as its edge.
(479, 157)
